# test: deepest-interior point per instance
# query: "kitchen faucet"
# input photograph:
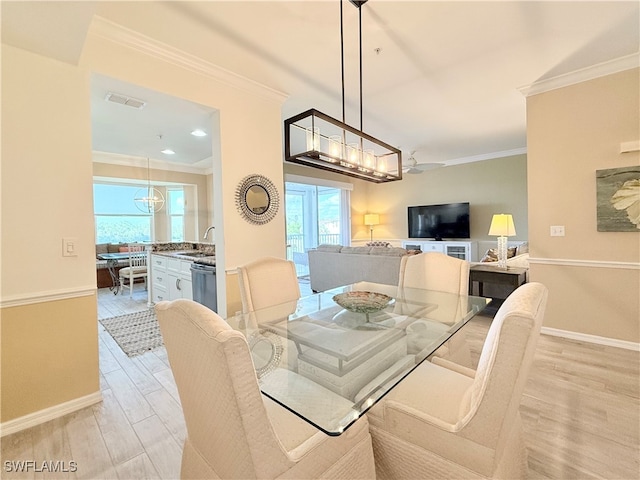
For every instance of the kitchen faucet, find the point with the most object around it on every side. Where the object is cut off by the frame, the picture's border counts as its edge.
(207, 232)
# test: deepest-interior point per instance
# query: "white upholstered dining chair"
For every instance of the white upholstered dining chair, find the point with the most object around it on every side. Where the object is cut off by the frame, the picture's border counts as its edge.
(269, 282)
(437, 271)
(137, 267)
(233, 431)
(454, 423)
(266, 282)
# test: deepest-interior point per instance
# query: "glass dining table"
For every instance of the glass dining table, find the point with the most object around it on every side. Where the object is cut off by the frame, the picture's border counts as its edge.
(330, 356)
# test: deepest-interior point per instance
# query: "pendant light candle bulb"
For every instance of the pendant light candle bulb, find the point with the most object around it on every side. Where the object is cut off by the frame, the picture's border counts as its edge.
(335, 147)
(313, 138)
(353, 154)
(369, 159)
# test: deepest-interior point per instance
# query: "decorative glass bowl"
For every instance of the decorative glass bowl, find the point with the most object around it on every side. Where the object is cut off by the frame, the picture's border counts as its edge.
(363, 302)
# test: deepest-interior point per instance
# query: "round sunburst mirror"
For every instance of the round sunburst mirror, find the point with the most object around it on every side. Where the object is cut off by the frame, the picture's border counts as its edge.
(257, 199)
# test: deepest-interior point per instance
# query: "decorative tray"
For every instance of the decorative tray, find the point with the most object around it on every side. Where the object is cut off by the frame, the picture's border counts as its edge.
(363, 302)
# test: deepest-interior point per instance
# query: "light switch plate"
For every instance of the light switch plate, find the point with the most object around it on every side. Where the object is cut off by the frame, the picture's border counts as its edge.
(70, 247)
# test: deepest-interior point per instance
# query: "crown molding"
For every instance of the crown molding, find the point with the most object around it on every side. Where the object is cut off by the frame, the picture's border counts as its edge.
(141, 162)
(126, 37)
(584, 74)
(486, 156)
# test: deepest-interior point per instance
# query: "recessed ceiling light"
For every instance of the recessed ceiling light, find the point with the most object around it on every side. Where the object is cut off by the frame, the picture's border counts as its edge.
(168, 151)
(199, 133)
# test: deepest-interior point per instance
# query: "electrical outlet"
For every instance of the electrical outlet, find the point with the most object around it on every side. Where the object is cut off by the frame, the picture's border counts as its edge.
(557, 230)
(69, 247)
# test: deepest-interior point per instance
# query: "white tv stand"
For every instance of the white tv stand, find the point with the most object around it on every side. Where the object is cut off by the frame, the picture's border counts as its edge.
(463, 250)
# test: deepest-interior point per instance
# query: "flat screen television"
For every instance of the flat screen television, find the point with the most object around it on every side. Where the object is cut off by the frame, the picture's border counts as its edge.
(450, 220)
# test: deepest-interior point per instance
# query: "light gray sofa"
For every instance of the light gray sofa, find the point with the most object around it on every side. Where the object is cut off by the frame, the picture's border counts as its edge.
(332, 266)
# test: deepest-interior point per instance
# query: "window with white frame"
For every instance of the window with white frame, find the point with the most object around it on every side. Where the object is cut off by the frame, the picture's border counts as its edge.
(317, 211)
(176, 214)
(117, 219)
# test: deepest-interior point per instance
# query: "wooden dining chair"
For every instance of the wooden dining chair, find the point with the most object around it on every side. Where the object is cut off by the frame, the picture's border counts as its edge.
(440, 272)
(235, 432)
(454, 422)
(137, 267)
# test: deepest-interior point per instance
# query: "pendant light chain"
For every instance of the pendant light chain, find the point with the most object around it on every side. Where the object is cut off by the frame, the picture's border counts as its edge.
(342, 62)
(360, 45)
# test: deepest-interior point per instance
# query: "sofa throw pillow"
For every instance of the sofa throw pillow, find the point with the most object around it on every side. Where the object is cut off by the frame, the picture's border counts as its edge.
(326, 247)
(356, 250)
(102, 248)
(378, 244)
(114, 247)
(492, 254)
(522, 248)
(388, 251)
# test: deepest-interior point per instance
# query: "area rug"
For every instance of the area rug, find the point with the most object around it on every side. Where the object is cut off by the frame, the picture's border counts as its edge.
(136, 333)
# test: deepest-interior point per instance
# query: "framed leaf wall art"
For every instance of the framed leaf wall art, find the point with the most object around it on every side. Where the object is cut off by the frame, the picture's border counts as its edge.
(618, 199)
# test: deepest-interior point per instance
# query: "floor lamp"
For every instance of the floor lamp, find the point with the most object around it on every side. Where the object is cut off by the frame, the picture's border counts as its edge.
(371, 219)
(502, 227)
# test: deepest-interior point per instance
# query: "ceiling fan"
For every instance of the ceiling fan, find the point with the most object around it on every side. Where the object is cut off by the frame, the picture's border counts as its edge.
(412, 166)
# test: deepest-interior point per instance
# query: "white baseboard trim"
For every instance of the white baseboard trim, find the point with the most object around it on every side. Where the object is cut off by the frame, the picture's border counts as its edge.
(585, 337)
(42, 416)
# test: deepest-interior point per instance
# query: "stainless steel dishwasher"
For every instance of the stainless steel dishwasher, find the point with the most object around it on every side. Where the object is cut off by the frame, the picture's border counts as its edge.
(203, 279)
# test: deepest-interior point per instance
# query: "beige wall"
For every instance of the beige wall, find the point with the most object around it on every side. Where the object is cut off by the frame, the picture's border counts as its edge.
(593, 277)
(47, 175)
(196, 215)
(49, 355)
(49, 348)
(490, 186)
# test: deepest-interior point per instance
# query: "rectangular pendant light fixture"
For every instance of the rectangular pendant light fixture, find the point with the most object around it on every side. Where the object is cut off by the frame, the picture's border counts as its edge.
(318, 140)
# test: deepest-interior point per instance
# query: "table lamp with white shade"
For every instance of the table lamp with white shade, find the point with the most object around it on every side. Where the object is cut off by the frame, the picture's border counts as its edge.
(502, 227)
(371, 219)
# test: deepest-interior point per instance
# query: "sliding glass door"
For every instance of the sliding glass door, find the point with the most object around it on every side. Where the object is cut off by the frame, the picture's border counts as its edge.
(315, 214)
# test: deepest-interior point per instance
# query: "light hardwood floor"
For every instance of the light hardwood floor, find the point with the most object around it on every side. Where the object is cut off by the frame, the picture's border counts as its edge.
(580, 412)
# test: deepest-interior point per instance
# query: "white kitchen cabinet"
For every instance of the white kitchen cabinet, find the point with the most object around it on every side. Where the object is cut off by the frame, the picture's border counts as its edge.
(179, 273)
(158, 279)
(170, 278)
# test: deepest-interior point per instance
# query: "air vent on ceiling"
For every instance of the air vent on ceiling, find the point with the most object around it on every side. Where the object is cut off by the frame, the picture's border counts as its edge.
(124, 100)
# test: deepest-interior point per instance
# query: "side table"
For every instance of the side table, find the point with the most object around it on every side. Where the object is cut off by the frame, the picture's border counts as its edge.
(513, 276)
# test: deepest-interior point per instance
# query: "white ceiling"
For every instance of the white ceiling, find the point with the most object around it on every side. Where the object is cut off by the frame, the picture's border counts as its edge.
(445, 82)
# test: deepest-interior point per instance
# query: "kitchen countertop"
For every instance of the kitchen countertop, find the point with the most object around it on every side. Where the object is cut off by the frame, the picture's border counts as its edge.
(196, 256)
(202, 253)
